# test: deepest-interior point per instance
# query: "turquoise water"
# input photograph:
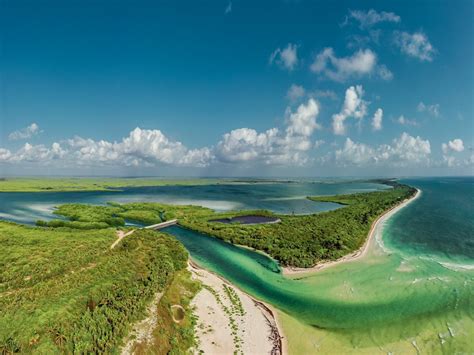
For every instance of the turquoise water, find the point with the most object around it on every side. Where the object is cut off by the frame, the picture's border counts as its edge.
(419, 283)
(440, 224)
(416, 285)
(288, 198)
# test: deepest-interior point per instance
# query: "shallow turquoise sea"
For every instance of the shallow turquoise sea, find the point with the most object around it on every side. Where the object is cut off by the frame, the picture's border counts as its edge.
(440, 224)
(312, 298)
(416, 285)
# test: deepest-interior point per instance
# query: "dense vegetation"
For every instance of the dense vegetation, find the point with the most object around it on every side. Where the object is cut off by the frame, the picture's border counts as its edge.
(296, 241)
(304, 240)
(115, 215)
(64, 290)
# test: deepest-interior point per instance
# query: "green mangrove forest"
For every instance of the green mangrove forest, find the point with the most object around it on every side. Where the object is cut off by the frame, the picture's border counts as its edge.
(297, 240)
(304, 240)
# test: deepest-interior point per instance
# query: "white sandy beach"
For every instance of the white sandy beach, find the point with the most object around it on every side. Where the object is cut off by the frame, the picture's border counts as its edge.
(224, 327)
(290, 271)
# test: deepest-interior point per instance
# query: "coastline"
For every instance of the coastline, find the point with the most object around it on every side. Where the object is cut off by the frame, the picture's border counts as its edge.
(361, 252)
(264, 317)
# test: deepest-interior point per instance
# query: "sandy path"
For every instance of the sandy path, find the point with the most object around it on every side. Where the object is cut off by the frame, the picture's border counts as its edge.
(230, 321)
(121, 235)
(362, 251)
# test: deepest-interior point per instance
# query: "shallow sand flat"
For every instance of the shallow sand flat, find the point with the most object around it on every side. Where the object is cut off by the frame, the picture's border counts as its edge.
(223, 327)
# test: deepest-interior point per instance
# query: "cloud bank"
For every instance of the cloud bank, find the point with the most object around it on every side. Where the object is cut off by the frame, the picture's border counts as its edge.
(150, 147)
(404, 151)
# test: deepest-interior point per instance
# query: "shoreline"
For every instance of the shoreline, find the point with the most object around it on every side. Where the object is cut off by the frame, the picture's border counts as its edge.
(361, 252)
(275, 337)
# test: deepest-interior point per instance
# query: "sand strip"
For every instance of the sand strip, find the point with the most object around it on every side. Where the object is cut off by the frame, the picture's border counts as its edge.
(230, 320)
(359, 253)
(142, 331)
(120, 235)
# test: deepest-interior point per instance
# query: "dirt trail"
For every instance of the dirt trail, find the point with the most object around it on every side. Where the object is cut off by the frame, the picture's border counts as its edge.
(121, 235)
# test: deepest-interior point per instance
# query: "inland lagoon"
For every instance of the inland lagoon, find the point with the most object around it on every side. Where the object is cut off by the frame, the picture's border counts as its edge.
(411, 292)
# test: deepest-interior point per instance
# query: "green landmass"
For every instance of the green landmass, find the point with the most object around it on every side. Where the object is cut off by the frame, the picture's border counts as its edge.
(114, 184)
(299, 241)
(81, 216)
(302, 241)
(64, 290)
(94, 184)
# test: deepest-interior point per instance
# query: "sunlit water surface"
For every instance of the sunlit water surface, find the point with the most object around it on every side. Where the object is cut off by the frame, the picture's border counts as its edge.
(415, 285)
(27, 207)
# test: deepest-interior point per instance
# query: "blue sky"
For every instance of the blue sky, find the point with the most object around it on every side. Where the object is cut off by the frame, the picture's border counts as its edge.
(306, 88)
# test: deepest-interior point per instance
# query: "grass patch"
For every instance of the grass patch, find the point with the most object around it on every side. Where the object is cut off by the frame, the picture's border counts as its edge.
(64, 290)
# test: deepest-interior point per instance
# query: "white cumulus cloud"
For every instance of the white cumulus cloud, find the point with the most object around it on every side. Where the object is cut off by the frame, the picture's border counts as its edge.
(456, 145)
(361, 63)
(377, 120)
(431, 109)
(303, 121)
(415, 45)
(35, 153)
(148, 147)
(273, 146)
(5, 155)
(25, 133)
(287, 57)
(403, 151)
(371, 17)
(246, 144)
(354, 106)
(141, 148)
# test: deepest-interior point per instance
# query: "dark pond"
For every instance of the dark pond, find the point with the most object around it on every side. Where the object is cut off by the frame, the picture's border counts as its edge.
(250, 219)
